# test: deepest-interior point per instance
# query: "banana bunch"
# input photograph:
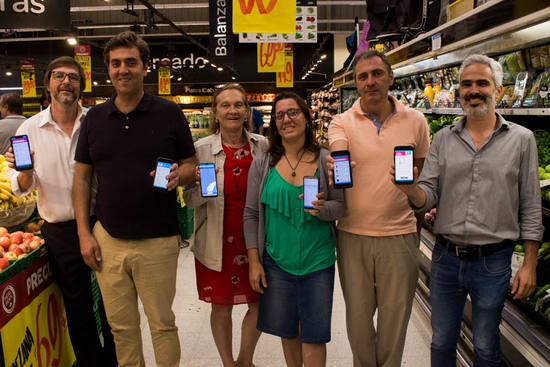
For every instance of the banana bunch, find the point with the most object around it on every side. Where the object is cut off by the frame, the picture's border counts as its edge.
(7, 199)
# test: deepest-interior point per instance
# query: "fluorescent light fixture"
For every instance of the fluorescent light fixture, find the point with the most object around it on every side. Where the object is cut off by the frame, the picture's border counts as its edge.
(179, 79)
(9, 73)
(214, 65)
(108, 81)
(220, 69)
(95, 83)
(233, 78)
(72, 41)
(171, 77)
(11, 88)
(324, 56)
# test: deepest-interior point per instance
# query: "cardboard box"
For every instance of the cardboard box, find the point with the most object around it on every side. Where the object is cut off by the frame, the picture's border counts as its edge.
(458, 8)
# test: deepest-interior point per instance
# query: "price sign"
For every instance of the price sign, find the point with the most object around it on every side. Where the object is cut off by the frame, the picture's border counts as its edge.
(285, 79)
(271, 57)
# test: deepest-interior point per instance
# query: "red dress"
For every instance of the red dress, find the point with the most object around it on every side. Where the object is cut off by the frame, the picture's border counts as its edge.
(231, 285)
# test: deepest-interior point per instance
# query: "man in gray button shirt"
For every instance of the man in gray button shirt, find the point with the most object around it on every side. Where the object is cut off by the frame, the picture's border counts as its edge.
(481, 174)
(11, 109)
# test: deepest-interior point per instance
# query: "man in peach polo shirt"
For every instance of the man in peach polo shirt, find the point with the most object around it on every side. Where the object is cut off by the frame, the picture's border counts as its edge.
(377, 238)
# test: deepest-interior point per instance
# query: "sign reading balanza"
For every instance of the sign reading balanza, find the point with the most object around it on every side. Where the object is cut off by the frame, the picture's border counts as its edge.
(46, 14)
(221, 31)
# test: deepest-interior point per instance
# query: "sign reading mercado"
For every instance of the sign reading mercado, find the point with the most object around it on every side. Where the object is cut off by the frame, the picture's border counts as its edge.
(42, 14)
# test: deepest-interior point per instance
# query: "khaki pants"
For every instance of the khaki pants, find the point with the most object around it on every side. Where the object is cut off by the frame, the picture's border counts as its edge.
(377, 273)
(144, 268)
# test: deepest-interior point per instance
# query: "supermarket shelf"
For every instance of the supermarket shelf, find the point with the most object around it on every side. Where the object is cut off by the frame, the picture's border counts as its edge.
(502, 111)
(523, 341)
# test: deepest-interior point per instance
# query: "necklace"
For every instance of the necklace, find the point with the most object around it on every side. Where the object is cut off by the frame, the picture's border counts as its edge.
(294, 168)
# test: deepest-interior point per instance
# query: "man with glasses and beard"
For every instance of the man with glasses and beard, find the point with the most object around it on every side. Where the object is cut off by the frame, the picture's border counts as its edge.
(53, 134)
(481, 173)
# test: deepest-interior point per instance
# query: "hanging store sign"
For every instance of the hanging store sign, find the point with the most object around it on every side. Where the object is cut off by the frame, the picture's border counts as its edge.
(39, 14)
(305, 29)
(82, 55)
(221, 42)
(285, 79)
(271, 57)
(264, 16)
(28, 78)
(164, 78)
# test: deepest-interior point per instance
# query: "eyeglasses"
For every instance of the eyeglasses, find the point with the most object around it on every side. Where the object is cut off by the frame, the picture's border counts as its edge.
(60, 76)
(293, 112)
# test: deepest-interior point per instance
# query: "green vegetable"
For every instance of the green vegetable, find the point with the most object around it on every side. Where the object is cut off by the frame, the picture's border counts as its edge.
(546, 257)
(543, 145)
(540, 292)
(519, 248)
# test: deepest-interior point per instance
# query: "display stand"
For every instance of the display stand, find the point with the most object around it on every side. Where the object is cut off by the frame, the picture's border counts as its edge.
(33, 325)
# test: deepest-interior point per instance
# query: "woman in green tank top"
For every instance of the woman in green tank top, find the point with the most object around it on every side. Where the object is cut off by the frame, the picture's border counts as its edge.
(295, 273)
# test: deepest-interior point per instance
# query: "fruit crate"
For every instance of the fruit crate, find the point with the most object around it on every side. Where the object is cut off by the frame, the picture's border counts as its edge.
(17, 265)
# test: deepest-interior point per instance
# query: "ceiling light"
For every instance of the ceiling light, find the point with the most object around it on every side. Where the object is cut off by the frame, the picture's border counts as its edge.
(72, 41)
(9, 73)
(95, 83)
(148, 70)
(206, 61)
(171, 76)
(233, 78)
(179, 79)
(220, 69)
(323, 56)
(109, 81)
(214, 65)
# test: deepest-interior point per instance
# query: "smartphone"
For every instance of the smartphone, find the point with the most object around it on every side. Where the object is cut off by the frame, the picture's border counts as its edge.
(21, 152)
(342, 169)
(311, 189)
(163, 169)
(209, 186)
(404, 162)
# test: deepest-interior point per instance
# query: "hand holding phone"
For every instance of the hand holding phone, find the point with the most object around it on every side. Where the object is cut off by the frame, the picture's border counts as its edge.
(404, 164)
(311, 189)
(163, 169)
(21, 152)
(209, 185)
(342, 169)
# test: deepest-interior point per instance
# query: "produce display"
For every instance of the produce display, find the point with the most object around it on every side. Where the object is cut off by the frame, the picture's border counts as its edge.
(16, 245)
(438, 123)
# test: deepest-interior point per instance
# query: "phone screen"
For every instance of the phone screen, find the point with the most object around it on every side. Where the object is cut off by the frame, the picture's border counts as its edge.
(163, 170)
(209, 186)
(342, 171)
(311, 189)
(403, 165)
(21, 152)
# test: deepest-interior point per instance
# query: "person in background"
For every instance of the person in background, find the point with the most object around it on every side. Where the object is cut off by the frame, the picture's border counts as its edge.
(221, 262)
(53, 134)
(135, 243)
(486, 200)
(295, 273)
(258, 122)
(11, 109)
(377, 238)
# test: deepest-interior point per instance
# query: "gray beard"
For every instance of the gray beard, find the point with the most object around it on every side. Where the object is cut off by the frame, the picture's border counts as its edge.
(482, 110)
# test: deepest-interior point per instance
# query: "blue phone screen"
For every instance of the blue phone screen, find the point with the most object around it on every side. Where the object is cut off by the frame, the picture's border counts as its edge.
(208, 180)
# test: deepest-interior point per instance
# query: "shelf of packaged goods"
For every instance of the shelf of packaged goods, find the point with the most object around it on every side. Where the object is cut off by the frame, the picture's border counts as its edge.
(496, 27)
(502, 111)
(523, 341)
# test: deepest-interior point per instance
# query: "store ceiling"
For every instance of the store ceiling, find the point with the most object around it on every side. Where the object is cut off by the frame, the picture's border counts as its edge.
(103, 18)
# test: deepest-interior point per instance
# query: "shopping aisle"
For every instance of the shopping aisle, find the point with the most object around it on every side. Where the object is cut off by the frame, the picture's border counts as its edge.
(199, 350)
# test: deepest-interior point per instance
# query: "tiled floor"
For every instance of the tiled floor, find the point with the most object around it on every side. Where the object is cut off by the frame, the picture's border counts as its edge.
(199, 350)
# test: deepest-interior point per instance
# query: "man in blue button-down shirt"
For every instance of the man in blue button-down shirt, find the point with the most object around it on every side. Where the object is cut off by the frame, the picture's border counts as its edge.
(481, 174)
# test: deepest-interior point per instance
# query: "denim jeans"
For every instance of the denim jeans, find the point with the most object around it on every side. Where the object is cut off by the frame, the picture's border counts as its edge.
(486, 280)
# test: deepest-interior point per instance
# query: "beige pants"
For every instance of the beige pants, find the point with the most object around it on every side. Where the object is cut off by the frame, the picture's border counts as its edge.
(144, 268)
(377, 273)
